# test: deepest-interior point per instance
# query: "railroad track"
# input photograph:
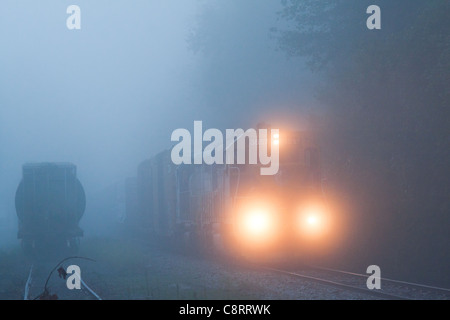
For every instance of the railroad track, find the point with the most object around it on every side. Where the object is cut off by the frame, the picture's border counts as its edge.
(344, 280)
(42, 284)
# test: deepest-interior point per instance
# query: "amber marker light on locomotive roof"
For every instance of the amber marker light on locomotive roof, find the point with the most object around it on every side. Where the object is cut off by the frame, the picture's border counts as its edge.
(276, 139)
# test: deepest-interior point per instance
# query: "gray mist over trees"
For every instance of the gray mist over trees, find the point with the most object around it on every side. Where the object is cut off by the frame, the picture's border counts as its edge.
(387, 138)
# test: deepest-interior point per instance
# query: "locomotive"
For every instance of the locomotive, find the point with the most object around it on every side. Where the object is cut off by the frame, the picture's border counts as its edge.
(50, 202)
(232, 207)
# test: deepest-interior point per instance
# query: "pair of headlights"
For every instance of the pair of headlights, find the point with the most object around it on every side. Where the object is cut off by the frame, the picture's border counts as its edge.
(262, 223)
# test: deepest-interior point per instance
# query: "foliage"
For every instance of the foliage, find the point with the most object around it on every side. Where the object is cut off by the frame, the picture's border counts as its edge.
(388, 92)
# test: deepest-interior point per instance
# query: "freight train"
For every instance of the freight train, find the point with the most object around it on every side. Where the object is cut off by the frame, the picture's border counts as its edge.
(232, 207)
(50, 202)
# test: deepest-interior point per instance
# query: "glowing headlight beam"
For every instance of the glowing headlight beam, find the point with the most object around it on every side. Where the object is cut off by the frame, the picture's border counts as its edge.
(312, 220)
(257, 222)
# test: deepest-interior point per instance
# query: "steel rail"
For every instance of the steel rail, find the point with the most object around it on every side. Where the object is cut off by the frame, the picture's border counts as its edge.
(338, 285)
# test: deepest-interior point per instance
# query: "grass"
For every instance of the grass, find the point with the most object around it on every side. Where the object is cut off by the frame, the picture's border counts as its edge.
(13, 265)
(124, 269)
(130, 272)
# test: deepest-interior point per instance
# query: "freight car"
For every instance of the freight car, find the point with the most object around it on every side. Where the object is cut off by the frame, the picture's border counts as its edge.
(50, 202)
(233, 207)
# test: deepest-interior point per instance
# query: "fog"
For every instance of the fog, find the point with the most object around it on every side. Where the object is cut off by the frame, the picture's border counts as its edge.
(109, 95)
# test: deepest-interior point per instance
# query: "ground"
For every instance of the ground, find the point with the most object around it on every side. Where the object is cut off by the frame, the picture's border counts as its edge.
(130, 269)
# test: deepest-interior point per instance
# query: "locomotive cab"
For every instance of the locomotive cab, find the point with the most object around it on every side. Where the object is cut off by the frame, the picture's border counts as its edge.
(283, 214)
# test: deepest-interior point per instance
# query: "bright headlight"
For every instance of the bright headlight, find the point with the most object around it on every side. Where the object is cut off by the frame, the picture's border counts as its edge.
(257, 222)
(312, 220)
(256, 225)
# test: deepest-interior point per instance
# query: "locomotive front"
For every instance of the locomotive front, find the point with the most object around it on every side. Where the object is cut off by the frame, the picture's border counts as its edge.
(285, 214)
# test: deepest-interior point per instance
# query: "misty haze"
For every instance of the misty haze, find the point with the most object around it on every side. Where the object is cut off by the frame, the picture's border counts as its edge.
(87, 116)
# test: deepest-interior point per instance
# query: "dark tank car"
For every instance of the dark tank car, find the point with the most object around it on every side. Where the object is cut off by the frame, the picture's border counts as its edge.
(50, 202)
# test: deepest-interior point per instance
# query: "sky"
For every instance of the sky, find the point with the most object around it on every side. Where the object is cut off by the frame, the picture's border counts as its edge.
(108, 96)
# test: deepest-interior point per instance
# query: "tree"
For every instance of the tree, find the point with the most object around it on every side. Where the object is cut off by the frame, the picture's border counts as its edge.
(388, 92)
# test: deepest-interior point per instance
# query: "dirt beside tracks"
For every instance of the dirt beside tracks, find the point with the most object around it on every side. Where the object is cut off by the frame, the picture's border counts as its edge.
(126, 269)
